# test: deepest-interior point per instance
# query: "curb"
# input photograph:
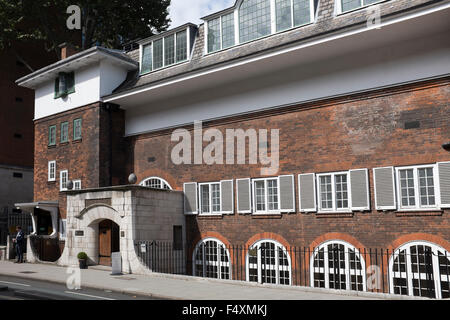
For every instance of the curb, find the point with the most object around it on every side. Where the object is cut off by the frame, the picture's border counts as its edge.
(373, 295)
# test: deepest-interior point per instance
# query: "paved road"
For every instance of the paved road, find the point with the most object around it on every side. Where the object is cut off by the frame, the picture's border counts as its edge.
(14, 288)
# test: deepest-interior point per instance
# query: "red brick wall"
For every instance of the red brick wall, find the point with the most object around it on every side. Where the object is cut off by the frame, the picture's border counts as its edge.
(87, 160)
(17, 114)
(363, 131)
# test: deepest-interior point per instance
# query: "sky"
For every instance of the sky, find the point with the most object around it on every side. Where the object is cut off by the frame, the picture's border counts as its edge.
(183, 11)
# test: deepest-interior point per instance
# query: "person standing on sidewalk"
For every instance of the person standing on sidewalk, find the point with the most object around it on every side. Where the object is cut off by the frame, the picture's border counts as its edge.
(19, 240)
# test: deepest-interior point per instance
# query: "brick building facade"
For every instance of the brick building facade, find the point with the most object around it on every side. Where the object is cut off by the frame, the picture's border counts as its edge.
(361, 113)
(17, 132)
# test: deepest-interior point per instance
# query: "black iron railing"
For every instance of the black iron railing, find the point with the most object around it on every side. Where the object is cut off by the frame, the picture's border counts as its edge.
(418, 270)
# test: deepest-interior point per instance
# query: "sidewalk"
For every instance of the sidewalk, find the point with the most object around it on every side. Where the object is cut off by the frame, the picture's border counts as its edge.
(180, 287)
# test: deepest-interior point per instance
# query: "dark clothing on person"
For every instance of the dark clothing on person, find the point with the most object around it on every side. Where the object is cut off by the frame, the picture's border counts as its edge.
(20, 239)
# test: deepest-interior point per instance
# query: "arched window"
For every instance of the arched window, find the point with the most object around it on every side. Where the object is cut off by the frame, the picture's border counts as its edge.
(211, 259)
(156, 183)
(420, 269)
(254, 19)
(268, 262)
(338, 265)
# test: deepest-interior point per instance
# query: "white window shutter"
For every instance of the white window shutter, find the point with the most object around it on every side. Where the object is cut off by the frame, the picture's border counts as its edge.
(226, 196)
(384, 184)
(243, 190)
(359, 188)
(444, 183)
(287, 193)
(307, 192)
(190, 198)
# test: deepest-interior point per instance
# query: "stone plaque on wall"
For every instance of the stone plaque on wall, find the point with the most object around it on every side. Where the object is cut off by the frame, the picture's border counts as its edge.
(90, 202)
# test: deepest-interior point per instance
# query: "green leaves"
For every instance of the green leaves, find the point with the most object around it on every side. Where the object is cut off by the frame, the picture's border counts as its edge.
(109, 23)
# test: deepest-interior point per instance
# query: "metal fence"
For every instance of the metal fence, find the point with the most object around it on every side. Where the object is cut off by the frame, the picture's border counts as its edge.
(419, 270)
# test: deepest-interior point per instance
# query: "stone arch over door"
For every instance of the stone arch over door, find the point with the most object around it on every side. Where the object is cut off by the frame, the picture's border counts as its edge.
(91, 218)
(88, 221)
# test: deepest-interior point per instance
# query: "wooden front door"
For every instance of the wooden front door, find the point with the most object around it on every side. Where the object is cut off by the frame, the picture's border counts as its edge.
(108, 241)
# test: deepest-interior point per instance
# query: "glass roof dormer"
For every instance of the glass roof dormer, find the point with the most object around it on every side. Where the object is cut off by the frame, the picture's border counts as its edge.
(167, 49)
(250, 20)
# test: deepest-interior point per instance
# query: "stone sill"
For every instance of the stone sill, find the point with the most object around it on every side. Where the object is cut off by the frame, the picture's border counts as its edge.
(419, 213)
(335, 215)
(267, 216)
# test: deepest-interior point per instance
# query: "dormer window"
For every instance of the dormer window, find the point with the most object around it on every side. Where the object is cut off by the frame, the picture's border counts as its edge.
(349, 5)
(167, 50)
(64, 84)
(254, 19)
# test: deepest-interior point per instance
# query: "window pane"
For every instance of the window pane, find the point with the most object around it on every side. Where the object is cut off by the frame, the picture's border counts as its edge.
(205, 198)
(181, 46)
(254, 19)
(326, 193)
(147, 59)
(215, 189)
(260, 196)
(407, 187)
(367, 2)
(341, 191)
(426, 186)
(214, 35)
(272, 189)
(302, 12)
(228, 30)
(77, 129)
(350, 4)
(158, 54)
(64, 132)
(169, 50)
(283, 14)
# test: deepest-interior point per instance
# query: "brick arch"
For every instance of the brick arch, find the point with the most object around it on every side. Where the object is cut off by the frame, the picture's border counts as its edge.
(155, 172)
(419, 237)
(337, 236)
(205, 235)
(267, 236)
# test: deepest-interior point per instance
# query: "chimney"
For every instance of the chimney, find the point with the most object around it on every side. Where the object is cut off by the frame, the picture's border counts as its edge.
(67, 50)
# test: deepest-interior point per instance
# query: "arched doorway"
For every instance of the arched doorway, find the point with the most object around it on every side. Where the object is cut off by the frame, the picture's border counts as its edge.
(108, 241)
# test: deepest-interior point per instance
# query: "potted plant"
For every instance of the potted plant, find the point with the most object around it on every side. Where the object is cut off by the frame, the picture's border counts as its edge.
(82, 259)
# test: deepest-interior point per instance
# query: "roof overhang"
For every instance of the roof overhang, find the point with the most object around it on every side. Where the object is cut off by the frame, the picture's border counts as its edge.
(32, 205)
(419, 23)
(83, 59)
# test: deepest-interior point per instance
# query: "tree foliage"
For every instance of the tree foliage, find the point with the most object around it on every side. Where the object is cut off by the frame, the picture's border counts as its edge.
(109, 23)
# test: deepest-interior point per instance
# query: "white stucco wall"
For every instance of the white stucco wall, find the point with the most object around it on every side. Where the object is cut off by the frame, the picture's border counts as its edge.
(91, 83)
(361, 70)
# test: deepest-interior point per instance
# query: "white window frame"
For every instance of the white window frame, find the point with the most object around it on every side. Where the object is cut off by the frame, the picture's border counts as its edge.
(277, 267)
(75, 183)
(219, 261)
(61, 174)
(362, 6)
(418, 206)
(211, 212)
(348, 272)
(174, 34)
(333, 192)
(50, 176)
(266, 191)
(273, 28)
(62, 225)
(408, 274)
(161, 180)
